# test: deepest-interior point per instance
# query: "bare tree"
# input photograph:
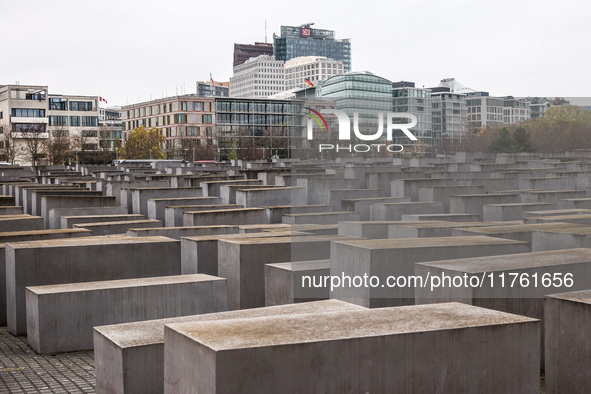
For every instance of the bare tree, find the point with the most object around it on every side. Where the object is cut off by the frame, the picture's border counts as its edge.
(8, 146)
(35, 142)
(58, 146)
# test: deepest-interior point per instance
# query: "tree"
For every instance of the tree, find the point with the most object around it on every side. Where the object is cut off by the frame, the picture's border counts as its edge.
(8, 144)
(503, 144)
(35, 142)
(58, 146)
(142, 143)
(522, 141)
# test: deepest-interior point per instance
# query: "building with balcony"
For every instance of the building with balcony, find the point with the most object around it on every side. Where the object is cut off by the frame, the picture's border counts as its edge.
(448, 114)
(417, 101)
(207, 88)
(243, 52)
(515, 110)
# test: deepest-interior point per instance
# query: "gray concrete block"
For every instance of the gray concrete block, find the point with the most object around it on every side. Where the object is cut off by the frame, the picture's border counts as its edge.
(297, 281)
(275, 213)
(319, 217)
(445, 217)
(567, 318)
(119, 227)
(60, 318)
(474, 203)
(156, 206)
(506, 212)
(394, 211)
(9, 223)
(362, 205)
(383, 258)
(180, 232)
(129, 357)
(524, 297)
(225, 217)
(417, 349)
(173, 215)
(59, 261)
(56, 214)
(69, 221)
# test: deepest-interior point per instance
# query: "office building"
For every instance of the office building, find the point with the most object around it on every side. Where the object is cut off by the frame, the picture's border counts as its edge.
(110, 127)
(315, 69)
(515, 110)
(359, 92)
(484, 110)
(258, 77)
(303, 40)
(448, 114)
(216, 89)
(185, 121)
(243, 52)
(417, 101)
(538, 106)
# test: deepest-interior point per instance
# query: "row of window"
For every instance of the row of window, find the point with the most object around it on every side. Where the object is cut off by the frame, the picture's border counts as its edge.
(80, 121)
(28, 113)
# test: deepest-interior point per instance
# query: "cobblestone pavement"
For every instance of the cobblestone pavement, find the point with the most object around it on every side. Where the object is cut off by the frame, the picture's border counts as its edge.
(24, 371)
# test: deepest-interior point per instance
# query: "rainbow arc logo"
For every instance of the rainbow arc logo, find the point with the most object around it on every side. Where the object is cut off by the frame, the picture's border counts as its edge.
(315, 115)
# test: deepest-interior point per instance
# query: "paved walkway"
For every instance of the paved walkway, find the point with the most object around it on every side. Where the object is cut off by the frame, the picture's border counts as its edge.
(24, 371)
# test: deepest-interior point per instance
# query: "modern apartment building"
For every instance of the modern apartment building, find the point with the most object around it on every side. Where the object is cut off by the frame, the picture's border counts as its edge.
(484, 110)
(303, 40)
(185, 121)
(538, 106)
(243, 52)
(315, 69)
(417, 101)
(110, 127)
(448, 114)
(30, 115)
(258, 77)
(515, 110)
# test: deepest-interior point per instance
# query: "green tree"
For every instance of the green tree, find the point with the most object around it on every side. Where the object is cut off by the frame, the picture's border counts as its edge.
(142, 143)
(522, 141)
(503, 144)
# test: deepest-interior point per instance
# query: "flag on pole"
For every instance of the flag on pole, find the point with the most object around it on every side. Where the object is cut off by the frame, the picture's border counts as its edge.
(211, 79)
(102, 99)
(310, 84)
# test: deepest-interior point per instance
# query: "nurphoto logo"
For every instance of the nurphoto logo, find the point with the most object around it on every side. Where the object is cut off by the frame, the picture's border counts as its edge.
(345, 130)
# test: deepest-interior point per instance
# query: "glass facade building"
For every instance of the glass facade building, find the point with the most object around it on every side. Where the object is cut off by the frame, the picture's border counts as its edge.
(297, 41)
(417, 101)
(360, 92)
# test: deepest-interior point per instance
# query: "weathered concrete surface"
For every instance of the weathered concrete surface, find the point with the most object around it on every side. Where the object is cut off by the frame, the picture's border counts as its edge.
(59, 261)
(394, 211)
(288, 283)
(262, 197)
(438, 229)
(319, 217)
(60, 317)
(242, 263)
(506, 212)
(396, 257)
(362, 205)
(35, 235)
(9, 223)
(567, 322)
(173, 215)
(119, 227)
(156, 206)
(54, 202)
(371, 229)
(129, 357)
(180, 232)
(441, 193)
(275, 213)
(199, 254)
(140, 196)
(225, 217)
(69, 221)
(566, 238)
(518, 232)
(581, 219)
(474, 203)
(524, 297)
(445, 217)
(56, 214)
(415, 349)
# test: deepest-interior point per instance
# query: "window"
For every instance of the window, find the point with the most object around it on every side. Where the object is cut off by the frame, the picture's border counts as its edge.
(35, 96)
(28, 113)
(56, 104)
(29, 127)
(60, 133)
(89, 133)
(180, 118)
(58, 120)
(89, 121)
(207, 119)
(80, 106)
(74, 121)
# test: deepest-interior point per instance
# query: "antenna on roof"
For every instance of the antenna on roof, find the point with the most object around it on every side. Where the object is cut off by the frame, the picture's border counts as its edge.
(265, 31)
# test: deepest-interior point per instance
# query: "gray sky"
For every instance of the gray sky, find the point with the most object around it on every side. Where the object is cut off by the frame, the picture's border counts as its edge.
(122, 49)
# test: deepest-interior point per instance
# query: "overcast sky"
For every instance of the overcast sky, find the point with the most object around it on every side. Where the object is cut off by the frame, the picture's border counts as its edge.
(125, 49)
